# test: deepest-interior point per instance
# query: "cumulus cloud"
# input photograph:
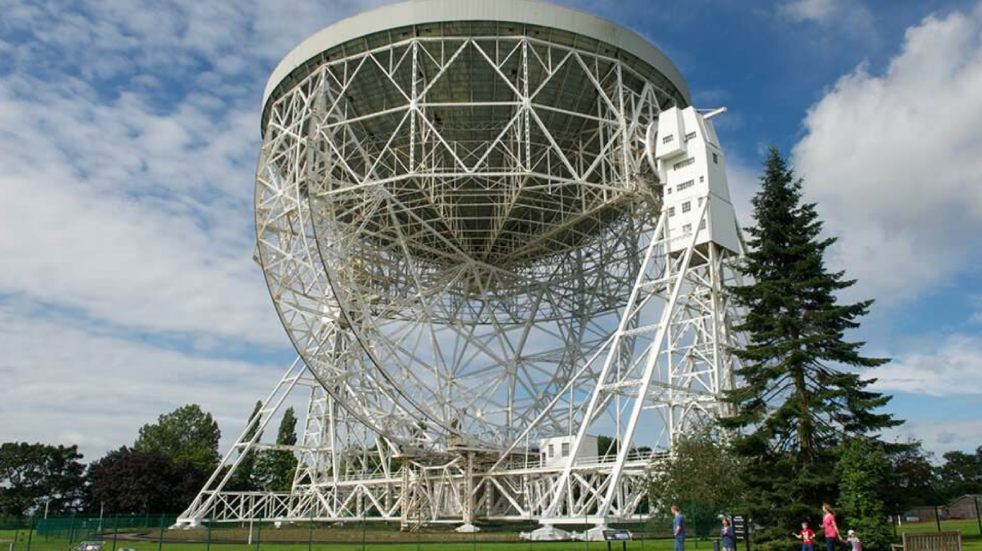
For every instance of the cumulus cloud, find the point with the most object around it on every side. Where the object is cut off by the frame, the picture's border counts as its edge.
(950, 366)
(128, 140)
(895, 162)
(940, 435)
(809, 10)
(65, 382)
(849, 18)
(137, 219)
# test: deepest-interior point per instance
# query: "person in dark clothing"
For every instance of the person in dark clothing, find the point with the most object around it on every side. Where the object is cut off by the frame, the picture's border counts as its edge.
(678, 528)
(727, 536)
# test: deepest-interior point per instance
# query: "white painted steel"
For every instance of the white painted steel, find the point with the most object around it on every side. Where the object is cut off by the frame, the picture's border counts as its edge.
(462, 216)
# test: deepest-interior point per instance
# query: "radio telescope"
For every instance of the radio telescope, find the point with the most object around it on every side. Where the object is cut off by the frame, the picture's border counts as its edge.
(493, 231)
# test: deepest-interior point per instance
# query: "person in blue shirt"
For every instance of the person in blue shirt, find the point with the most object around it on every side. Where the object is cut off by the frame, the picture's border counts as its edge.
(727, 536)
(678, 528)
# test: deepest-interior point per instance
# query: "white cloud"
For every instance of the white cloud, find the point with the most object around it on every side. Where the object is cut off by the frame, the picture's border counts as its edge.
(940, 435)
(895, 162)
(129, 139)
(66, 382)
(949, 366)
(809, 10)
(849, 18)
(129, 134)
(112, 210)
(743, 179)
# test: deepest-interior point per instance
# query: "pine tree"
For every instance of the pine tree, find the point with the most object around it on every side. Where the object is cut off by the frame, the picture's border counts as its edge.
(274, 468)
(796, 401)
(241, 480)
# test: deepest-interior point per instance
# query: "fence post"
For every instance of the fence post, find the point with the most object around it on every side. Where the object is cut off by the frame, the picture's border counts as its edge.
(310, 530)
(34, 524)
(746, 531)
(115, 530)
(937, 517)
(978, 516)
(71, 531)
(160, 534)
(208, 533)
(586, 540)
(259, 535)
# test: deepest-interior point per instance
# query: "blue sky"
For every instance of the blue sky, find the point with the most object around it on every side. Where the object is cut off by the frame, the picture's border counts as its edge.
(128, 139)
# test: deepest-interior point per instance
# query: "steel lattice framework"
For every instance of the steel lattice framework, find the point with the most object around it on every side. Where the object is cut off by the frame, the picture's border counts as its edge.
(464, 228)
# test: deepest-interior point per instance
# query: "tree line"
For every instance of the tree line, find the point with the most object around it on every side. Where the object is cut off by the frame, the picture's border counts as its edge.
(162, 470)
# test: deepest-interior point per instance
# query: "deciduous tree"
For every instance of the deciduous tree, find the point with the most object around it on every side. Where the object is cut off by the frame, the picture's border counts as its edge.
(863, 471)
(186, 434)
(35, 475)
(703, 477)
(132, 481)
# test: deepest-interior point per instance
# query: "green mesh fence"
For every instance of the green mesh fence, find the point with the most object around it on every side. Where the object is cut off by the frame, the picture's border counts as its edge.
(76, 528)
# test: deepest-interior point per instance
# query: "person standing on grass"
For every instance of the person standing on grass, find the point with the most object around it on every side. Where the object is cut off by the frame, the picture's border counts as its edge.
(727, 536)
(829, 528)
(807, 537)
(678, 528)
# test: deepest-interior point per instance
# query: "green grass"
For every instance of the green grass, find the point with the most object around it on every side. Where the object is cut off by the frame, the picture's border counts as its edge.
(966, 527)
(971, 540)
(378, 541)
(379, 538)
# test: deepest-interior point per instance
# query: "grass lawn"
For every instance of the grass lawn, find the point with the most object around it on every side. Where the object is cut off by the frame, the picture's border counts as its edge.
(377, 539)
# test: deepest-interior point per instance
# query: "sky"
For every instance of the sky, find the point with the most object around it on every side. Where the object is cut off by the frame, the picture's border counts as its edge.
(129, 134)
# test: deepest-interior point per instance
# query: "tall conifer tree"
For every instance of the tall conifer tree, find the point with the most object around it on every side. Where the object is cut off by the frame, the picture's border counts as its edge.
(274, 468)
(800, 392)
(241, 480)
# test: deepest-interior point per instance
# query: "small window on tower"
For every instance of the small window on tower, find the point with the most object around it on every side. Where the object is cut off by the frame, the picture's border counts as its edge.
(715, 158)
(687, 206)
(565, 449)
(552, 451)
(668, 138)
(671, 211)
(687, 229)
(702, 179)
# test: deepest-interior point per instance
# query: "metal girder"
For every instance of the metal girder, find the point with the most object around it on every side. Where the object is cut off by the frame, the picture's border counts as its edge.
(467, 247)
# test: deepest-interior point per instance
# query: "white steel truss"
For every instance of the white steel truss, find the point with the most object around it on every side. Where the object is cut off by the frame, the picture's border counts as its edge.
(468, 248)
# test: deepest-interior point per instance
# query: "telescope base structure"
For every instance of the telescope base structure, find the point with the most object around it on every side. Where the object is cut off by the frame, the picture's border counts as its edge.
(459, 487)
(481, 244)
(672, 363)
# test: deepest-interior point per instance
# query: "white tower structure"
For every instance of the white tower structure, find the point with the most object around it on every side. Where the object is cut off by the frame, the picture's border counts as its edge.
(494, 232)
